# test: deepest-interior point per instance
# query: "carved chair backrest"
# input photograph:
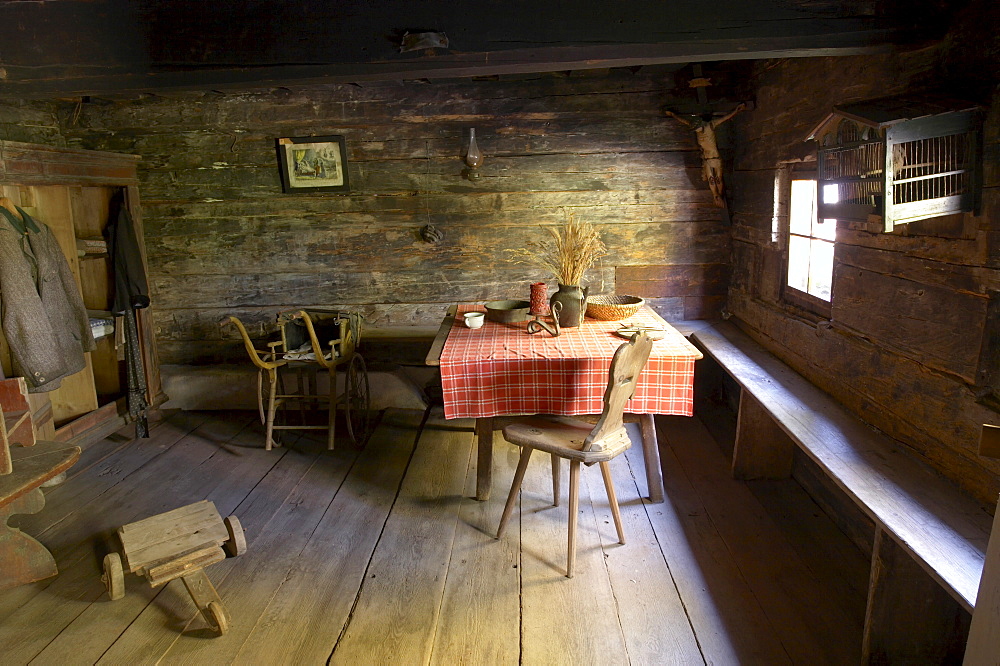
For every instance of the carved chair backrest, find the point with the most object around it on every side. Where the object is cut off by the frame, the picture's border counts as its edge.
(628, 362)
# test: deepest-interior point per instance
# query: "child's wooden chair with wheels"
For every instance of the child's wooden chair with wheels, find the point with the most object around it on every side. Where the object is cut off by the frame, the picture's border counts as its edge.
(267, 363)
(299, 350)
(178, 544)
(338, 352)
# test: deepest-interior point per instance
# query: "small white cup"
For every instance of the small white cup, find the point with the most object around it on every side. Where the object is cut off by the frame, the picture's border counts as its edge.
(474, 319)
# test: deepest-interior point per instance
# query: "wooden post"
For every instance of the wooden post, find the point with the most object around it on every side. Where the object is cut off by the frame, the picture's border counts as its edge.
(763, 450)
(910, 618)
(983, 648)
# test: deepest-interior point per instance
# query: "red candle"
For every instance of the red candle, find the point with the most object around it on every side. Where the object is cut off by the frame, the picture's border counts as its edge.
(539, 299)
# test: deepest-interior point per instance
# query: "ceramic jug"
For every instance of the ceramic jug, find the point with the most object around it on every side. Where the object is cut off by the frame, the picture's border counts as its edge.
(574, 304)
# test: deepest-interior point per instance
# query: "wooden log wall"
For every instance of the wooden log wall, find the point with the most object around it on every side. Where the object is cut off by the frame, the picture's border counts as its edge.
(910, 309)
(223, 239)
(30, 122)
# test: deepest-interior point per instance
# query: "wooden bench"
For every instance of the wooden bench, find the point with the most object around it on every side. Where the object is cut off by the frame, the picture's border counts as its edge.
(24, 466)
(930, 539)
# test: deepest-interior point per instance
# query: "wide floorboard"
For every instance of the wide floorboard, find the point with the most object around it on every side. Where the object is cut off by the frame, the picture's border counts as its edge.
(381, 556)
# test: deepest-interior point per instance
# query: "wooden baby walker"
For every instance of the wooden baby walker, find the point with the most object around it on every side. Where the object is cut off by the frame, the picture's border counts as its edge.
(178, 544)
(299, 356)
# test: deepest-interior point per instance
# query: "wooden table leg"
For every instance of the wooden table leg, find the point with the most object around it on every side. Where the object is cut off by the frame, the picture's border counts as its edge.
(484, 464)
(651, 453)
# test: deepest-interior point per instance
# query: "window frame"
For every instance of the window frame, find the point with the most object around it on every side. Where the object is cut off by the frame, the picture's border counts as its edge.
(790, 295)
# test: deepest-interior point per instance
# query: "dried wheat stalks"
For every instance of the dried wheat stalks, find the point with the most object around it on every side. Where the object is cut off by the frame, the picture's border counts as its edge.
(577, 246)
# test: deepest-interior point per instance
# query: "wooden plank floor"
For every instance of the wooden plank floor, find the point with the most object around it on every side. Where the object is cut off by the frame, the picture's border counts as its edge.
(382, 557)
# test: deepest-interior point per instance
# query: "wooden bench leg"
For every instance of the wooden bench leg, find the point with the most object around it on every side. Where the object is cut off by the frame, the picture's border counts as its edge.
(984, 633)
(484, 463)
(23, 559)
(910, 618)
(763, 450)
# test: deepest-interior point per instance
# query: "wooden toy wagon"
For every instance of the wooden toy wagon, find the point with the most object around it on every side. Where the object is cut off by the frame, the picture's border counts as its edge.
(178, 544)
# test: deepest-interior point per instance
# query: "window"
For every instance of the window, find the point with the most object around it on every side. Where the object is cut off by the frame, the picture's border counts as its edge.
(809, 278)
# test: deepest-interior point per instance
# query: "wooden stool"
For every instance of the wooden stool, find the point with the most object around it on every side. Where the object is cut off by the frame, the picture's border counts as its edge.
(178, 544)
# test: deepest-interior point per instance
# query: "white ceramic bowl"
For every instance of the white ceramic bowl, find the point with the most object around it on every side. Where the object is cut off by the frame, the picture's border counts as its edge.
(474, 319)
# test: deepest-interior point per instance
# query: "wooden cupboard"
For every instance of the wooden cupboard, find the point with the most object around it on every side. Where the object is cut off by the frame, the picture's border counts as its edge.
(71, 190)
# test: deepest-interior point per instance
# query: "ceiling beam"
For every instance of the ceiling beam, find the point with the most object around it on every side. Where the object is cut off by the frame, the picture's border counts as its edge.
(72, 48)
(97, 81)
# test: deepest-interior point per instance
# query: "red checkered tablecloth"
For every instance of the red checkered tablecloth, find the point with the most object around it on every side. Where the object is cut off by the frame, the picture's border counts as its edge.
(501, 370)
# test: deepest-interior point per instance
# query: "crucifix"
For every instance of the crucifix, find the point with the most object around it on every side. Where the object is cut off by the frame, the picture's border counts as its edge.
(704, 129)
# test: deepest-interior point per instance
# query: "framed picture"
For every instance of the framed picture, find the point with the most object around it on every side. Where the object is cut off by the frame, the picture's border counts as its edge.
(316, 163)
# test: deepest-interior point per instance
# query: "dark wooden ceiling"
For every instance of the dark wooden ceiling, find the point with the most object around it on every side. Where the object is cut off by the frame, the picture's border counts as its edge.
(92, 47)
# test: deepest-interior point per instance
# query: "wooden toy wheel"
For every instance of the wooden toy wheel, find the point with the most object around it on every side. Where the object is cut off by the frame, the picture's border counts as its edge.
(114, 576)
(237, 543)
(358, 402)
(217, 617)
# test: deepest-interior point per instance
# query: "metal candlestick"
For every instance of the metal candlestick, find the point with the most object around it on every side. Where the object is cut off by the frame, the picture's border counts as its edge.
(537, 324)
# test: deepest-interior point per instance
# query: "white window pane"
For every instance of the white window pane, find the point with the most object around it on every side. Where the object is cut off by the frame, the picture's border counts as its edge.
(820, 268)
(802, 207)
(831, 193)
(825, 229)
(798, 263)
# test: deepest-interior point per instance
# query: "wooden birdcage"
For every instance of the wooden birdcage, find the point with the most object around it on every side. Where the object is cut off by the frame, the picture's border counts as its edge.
(897, 160)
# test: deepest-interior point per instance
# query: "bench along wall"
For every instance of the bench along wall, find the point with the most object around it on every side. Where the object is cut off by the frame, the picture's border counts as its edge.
(223, 239)
(910, 308)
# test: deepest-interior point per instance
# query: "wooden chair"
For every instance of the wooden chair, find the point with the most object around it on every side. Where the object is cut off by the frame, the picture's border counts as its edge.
(582, 442)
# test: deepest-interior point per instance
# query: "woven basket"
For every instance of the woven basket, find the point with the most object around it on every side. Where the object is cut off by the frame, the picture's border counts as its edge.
(613, 308)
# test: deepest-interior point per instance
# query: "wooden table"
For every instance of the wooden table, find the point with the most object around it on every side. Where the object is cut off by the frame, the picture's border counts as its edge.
(499, 371)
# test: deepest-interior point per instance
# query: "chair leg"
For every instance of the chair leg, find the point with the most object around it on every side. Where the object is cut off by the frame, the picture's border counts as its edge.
(260, 397)
(272, 380)
(331, 428)
(300, 389)
(574, 508)
(282, 389)
(613, 500)
(555, 479)
(515, 486)
(310, 387)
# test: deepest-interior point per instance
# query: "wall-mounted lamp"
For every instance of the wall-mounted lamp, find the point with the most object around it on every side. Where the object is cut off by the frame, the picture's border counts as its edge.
(473, 158)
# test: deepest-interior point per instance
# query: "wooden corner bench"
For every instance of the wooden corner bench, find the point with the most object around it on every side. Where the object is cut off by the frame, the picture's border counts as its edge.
(24, 466)
(930, 539)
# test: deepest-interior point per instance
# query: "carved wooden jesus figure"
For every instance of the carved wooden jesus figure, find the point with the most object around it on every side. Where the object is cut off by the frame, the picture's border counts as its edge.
(711, 161)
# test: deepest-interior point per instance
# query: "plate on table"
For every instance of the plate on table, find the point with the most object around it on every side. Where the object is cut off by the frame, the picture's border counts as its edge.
(628, 331)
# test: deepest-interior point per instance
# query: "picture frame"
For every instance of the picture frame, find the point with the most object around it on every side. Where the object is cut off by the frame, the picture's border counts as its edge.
(313, 164)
